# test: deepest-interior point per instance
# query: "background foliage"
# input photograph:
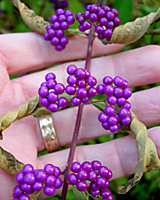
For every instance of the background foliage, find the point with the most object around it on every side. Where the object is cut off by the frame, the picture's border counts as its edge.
(10, 22)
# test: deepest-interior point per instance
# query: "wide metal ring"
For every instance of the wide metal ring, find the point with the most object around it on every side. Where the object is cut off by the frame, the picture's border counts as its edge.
(48, 132)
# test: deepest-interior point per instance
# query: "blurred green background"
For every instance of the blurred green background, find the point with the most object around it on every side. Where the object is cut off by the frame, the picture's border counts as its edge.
(10, 22)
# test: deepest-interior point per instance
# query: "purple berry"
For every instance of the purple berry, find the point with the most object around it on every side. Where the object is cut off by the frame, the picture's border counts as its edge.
(107, 9)
(51, 180)
(43, 91)
(112, 100)
(86, 14)
(37, 186)
(82, 175)
(102, 117)
(26, 187)
(54, 41)
(121, 101)
(110, 16)
(85, 100)
(64, 25)
(75, 101)
(109, 175)
(29, 178)
(93, 17)
(86, 25)
(101, 13)
(87, 73)
(108, 89)
(17, 191)
(20, 177)
(92, 175)
(80, 27)
(125, 84)
(71, 69)
(49, 26)
(58, 183)
(81, 93)
(110, 25)
(81, 185)
(94, 186)
(46, 36)
(105, 193)
(94, 193)
(105, 125)
(59, 88)
(101, 182)
(70, 90)
(93, 8)
(56, 25)
(103, 21)
(113, 128)
(118, 81)
(24, 197)
(59, 47)
(127, 105)
(57, 171)
(51, 33)
(72, 179)
(70, 20)
(53, 107)
(80, 73)
(51, 83)
(49, 190)
(62, 102)
(100, 89)
(50, 76)
(81, 19)
(117, 21)
(59, 33)
(54, 18)
(81, 83)
(107, 80)
(41, 176)
(112, 120)
(109, 110)
(127, 92)
(96, 164)
(87, 166)
(92, 81)
(107, 33)
(60, 11)
(78, 15)
(92, 92)
(61, 18)
(123, 112)
(99, 29)
(71, 80)
(126, 121)
(28, 168)
(75, 167)
(52, 97)
(118, 91)
(49, 169)
(64, 41)
(68, 13)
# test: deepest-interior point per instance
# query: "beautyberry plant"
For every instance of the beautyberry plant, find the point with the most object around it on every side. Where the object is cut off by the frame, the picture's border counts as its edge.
(31, 183)
(83, 88)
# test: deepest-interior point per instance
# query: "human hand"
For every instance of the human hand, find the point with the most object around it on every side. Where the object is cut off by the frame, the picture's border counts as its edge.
(27, 52)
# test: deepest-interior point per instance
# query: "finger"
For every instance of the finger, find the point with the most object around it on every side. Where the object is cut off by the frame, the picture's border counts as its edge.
(119, 155)
(26, 52)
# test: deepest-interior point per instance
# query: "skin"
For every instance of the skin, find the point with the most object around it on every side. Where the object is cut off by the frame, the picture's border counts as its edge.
(26, 52)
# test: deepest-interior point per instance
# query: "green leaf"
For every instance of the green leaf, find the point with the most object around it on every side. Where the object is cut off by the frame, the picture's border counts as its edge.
(79, 195)
(125, 8)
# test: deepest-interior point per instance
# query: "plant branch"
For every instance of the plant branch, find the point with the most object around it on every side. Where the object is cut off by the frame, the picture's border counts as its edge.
(79, 117)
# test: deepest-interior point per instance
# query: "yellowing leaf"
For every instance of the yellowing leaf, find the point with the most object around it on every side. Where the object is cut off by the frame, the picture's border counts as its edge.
(9, 164)
(147, 153)
(132, 31)
(33, 21)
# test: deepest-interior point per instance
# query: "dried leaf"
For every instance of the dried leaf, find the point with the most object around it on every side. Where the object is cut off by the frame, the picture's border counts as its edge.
(33, 21)
(147, 153)
(132, 31)
(9, 164)
(31, 107)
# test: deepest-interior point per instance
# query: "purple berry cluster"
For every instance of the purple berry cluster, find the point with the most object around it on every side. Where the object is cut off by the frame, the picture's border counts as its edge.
(59, 4)
(80, 84)
(106, 18)
(49, 92)
(92, 176)
(56, 32)
(30, 180)
(117, 92)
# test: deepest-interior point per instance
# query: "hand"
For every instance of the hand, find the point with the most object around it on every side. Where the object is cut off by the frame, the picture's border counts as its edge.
(26, 52)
